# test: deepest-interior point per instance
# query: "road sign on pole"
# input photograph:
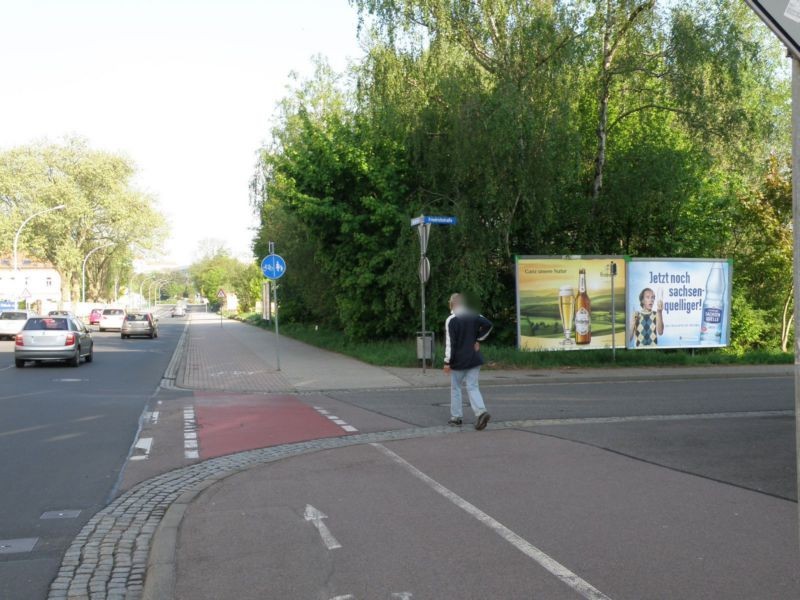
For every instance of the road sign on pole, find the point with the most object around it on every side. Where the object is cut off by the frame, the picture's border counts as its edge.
(273, 266)
(783, 18)
(424, 269)
(423, 224)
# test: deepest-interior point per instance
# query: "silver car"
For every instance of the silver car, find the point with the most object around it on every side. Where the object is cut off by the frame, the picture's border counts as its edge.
(143, 324)
(53, 338)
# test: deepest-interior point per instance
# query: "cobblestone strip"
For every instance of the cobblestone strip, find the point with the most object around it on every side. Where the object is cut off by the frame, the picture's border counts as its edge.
(108, 558)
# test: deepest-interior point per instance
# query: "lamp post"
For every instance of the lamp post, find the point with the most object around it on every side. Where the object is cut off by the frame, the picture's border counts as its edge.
(83, 268)
(141, 290)
(16, 244)
(150, 289)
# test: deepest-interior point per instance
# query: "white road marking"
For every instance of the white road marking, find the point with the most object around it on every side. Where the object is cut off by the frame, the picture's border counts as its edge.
(582, 587)
(315, 516)
(191, 448)
(145, 445)
(66, 436)
(402, 596)
(345, 597)
(340, 422)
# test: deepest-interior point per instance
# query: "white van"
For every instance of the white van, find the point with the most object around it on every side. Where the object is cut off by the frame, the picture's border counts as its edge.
(12, 321)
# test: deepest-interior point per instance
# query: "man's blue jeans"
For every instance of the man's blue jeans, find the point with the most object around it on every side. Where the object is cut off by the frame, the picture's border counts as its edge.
(470, 378)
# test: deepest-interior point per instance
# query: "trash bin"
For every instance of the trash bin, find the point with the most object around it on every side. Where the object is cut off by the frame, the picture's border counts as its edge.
(425, 345)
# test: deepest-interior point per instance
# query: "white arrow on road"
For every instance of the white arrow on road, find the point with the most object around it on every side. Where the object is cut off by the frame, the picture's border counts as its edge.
(315, 516)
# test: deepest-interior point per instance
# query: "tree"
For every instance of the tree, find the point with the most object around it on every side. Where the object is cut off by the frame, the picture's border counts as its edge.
(102, 207)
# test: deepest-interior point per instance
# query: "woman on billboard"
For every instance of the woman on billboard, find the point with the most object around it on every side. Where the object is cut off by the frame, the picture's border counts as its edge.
(648, 324)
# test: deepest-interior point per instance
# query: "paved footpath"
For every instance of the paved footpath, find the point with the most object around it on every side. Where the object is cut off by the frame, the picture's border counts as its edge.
(269, 488)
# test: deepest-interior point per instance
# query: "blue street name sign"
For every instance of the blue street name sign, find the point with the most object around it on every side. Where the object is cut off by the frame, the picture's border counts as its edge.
(6, 305)
(433, 220)
(273, 267)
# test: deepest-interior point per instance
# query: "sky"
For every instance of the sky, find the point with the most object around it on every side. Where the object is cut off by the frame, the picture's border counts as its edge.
(186, 89)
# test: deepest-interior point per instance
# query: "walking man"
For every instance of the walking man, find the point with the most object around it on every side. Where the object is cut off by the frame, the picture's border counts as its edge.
(464, 331)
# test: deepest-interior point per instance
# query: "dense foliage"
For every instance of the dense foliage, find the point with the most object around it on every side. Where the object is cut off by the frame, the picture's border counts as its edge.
(613, 126)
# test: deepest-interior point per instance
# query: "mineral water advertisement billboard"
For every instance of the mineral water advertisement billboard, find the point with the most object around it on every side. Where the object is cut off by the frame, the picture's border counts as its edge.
(564, 303)
(678, 303)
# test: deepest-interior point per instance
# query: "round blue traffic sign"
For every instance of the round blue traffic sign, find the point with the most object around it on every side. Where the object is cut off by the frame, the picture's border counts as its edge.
(273, 266)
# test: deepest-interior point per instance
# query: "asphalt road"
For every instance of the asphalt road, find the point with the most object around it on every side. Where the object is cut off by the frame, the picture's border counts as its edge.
(739, 447)
(645, 489)
(65, 434)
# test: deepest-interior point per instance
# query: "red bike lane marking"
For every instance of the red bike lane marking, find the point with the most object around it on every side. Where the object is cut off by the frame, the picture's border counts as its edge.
(228, 423)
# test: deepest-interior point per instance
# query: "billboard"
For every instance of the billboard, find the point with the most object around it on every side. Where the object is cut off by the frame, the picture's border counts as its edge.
(564, 303)
(678, 303)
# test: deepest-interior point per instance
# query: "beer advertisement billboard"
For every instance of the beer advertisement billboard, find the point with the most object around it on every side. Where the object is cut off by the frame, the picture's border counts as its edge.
(678, 303)
(564, 303)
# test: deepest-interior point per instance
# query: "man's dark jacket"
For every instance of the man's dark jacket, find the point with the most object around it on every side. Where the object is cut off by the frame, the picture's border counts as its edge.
(462, 329)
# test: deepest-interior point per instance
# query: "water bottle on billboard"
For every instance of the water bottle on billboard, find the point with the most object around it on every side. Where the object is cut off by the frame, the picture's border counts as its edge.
(713, 307)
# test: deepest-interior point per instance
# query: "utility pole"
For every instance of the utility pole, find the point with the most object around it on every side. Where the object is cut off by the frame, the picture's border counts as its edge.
(796, 256)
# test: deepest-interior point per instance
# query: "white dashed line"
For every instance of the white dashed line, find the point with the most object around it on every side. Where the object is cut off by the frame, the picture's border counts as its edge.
(340, 422)
(190, 448)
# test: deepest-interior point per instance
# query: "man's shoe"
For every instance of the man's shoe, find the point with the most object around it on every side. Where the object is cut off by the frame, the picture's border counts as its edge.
(482, 421)
(454, 422)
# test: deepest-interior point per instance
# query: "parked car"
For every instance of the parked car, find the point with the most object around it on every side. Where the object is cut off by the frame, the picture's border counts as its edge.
(140, 323)
(111, 318)
(53, 338)
(12, 321)
(94, 316)
(179, 311)
(61, 313)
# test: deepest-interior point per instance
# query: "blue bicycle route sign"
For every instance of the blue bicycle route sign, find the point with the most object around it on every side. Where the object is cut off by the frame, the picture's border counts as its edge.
(273, 266)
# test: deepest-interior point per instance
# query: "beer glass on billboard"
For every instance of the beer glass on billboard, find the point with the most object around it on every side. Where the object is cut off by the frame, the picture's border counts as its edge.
(566, 306)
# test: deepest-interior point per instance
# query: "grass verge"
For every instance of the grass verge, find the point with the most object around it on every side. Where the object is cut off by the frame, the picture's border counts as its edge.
(402, 353)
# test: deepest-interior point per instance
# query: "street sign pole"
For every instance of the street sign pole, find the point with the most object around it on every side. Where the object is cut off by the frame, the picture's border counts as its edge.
(783, 18)
(796, 256)
(273, 267)
(423, 224)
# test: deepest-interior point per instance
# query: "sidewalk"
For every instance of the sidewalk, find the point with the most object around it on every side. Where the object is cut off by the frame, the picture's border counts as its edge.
(242, 358)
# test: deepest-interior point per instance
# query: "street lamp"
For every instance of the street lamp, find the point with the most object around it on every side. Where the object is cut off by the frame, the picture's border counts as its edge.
(149, 291)
(83, 268)
(16, 243)
(141, 286)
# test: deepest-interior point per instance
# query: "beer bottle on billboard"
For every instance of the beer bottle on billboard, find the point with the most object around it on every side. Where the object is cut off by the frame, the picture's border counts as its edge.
(583, 312)
(713, 308)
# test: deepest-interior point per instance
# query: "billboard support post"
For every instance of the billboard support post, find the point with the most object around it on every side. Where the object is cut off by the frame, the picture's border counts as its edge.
(613, 271)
